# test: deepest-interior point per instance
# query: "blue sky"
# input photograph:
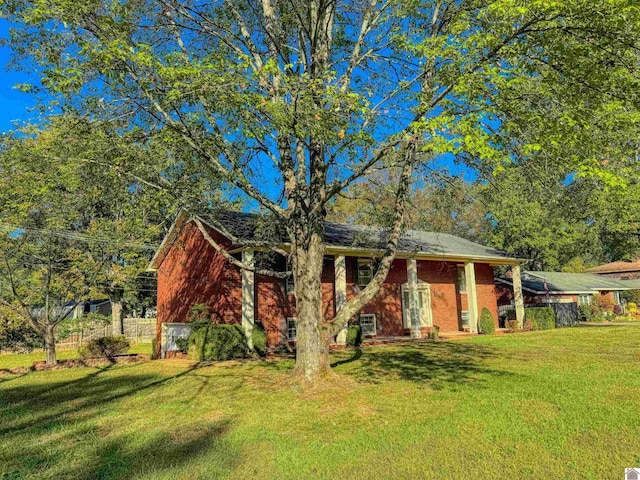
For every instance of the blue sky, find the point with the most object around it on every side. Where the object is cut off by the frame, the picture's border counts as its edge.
(14, 104)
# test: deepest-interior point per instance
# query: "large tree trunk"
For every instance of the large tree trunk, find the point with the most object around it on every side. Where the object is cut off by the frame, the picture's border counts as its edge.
(50, 345)
(117, 326)
(312, 347)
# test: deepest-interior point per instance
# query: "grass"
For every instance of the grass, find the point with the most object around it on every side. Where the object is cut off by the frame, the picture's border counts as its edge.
(552, 404)
(13, 360)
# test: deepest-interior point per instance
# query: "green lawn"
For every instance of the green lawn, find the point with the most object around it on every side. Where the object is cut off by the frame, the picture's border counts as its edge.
(552, 404)
(11, 360)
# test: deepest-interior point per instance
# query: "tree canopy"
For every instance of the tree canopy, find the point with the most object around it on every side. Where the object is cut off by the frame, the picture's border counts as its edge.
(288, 103)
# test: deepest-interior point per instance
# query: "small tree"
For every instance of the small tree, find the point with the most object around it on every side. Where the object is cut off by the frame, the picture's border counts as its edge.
(487, 324)
(46, 264)
(16, 334)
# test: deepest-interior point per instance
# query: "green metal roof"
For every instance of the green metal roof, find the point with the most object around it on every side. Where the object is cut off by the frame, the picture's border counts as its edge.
(564, 282)
(633, 284)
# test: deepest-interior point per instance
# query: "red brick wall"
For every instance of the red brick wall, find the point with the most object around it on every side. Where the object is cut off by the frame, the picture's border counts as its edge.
(273, 305)
(387, 304)
(486, 289)
(193, 272)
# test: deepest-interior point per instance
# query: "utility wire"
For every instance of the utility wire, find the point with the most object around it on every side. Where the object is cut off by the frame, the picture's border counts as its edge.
(69, 235)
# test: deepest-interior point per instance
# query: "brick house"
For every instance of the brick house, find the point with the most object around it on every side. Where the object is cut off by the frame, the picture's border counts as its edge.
(621, 270)
(560, 287)
(453, 280)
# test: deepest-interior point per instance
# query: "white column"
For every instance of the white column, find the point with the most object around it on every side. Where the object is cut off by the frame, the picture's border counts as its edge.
(163, 340)
(248, 297)
(517, 295)
(414, 309)
(472, 296)
(340, 283)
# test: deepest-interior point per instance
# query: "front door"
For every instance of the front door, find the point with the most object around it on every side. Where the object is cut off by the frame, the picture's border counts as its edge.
(424, 305)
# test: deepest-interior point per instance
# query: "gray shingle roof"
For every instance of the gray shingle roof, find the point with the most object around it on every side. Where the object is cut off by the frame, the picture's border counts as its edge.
(248, 226)
(562, 282)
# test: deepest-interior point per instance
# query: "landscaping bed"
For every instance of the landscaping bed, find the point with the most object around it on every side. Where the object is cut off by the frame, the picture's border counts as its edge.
(79, 362)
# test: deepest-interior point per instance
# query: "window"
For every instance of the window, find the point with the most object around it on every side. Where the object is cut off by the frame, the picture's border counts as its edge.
(291, 329)
(365, 272)
(616, 298)
(424, 306)
(368, 323)
(461, 280)
(584, 299)
(290, 285)
(464, 318)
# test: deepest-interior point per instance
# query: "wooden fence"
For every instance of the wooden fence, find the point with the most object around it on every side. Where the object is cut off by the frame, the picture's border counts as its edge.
(566, 312)
(137, 330)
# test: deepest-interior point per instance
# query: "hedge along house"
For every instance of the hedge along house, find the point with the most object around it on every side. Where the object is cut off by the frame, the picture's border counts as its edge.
(451, 277)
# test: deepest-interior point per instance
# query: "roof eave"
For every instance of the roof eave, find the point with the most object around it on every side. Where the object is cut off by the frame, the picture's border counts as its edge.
(184, 217)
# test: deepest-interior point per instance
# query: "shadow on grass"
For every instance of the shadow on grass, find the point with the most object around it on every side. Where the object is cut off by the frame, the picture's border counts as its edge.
(55, 422)
(437, 363)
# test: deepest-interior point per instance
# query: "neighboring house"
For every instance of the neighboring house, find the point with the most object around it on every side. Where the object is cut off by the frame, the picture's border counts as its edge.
(455, 280)
(102, 307)
(621, 269)
(560, 287)
(80, 309)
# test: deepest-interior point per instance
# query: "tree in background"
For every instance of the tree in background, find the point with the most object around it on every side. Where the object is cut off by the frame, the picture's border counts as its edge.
(291, 102)
(72, 228)
(536, 216)
(440, 202)
(16, 333)
(123, 219)
(44, 268)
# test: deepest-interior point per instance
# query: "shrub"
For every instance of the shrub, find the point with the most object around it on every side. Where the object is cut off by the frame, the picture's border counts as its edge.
(259, 338)
(604, 301)
(434, 333)
(354, 336)
(218, 342)
(617, 309)
(584, 313)
(595, 311)
(512, 325)
(104, 347)
(527, 326)
(182, 344)
(631, 296)
(542, 318)
(154, 344)
(199, 316)
(487, 325)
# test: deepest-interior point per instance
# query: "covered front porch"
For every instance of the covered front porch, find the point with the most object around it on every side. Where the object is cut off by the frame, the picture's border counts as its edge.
(404, 307)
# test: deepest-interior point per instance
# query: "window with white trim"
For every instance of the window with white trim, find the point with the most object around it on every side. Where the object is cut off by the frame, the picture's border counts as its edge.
(291, 329)
(461, 280)
(464, 318)
(365, 272)
(290, 285)
(584, 299)
(368, 323)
